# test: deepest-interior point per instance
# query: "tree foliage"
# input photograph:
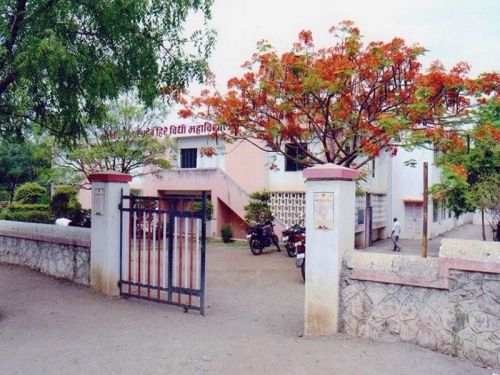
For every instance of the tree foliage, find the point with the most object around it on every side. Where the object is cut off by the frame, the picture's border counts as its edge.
(122, 142)
(471, 176)
(343, 104)
(23, 161)
(60, 60)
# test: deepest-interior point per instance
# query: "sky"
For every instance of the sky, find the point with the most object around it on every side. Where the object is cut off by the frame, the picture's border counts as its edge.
(451, 30)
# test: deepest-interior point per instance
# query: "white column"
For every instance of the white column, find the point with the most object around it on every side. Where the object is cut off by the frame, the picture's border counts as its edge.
(330, 204)
(105, 230)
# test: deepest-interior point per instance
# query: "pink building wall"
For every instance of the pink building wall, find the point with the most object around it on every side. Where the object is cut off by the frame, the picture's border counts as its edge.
(246, 165)
(84, 197)
(221, 187)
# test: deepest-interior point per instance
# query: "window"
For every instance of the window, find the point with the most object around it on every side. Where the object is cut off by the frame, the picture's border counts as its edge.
(361, 216)
(435, 210)
(443, 212)
(293, 155)
(188, 157)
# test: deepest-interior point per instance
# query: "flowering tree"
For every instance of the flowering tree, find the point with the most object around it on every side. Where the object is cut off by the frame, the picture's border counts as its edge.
(343, 104)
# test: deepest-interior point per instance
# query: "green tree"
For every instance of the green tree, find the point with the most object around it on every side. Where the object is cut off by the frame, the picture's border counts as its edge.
(123, 142)
(60, 60)
(471, 176)
(23, 161)
(258, 210)
(485, 196)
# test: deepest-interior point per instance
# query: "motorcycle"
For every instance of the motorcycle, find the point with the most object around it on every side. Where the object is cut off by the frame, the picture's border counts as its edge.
(260, 237)
(291, 236)
(300, 246)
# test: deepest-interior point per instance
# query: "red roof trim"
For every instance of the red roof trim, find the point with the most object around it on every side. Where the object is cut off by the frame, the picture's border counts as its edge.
(110, 177)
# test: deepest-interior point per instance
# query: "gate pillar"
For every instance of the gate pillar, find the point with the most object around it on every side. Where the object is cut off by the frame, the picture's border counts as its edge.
(330, 206)
(105, 231)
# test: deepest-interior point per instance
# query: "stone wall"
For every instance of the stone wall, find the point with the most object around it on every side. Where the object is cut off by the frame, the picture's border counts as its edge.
(52, 249)
(449, 304)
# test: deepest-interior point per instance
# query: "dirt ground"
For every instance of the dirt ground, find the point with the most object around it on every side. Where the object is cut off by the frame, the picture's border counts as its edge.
(253, 325)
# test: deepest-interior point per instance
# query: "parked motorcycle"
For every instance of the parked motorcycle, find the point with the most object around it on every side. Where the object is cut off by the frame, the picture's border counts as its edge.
(300, 247)
(291, 236)
(263, 236)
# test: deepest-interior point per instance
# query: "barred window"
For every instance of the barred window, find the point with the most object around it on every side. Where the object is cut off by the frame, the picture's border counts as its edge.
(188, 157)
(293, 157)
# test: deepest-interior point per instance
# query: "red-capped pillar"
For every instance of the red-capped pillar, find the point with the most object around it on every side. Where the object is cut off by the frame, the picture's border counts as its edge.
(107, 188)
(330, 202)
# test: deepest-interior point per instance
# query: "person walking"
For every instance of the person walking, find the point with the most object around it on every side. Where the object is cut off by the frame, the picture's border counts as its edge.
(396, 231)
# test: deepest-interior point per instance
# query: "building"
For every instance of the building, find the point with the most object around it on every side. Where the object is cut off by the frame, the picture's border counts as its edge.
(390, 189)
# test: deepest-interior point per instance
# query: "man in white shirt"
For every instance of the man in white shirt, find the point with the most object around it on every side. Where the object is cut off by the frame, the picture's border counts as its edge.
(396, 231)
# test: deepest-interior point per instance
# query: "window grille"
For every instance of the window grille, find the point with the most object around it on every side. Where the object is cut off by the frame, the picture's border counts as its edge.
(293, 157)
(360, 210)
(379, 210)
(288, 207)
(188, 157)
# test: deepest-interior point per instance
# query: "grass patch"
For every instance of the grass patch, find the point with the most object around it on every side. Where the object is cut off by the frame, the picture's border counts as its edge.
(240, 244)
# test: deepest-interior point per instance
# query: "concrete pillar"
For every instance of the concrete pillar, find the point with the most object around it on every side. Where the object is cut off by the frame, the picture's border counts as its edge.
(105, 231)
(330, 203)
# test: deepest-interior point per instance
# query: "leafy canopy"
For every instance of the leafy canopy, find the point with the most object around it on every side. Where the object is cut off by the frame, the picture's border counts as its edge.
(471, 175)
(59, 60)
(122, 142)
(23, 161)
(342, 104)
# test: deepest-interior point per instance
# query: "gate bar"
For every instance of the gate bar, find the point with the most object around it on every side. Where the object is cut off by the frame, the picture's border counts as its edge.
(203, 240)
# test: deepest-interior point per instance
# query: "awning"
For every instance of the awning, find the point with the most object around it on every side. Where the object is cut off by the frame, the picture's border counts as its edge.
(413, 200)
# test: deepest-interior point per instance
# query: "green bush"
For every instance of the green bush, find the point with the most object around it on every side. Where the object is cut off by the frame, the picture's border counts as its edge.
(258, 210)
(226, 232)
(64, 203)
(34, 213)
(16, 207)
(30, 193)
(4, 196)
(196, 207)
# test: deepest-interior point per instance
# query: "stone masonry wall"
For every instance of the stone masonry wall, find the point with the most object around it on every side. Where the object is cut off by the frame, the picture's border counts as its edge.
(455, 312)
(55, 250)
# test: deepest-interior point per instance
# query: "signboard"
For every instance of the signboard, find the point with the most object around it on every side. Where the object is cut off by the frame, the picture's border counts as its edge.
(323, 211)
(98, 208)
(180, 130)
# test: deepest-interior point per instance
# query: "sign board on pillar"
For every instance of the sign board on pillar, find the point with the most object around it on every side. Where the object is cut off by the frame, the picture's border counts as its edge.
(323, 211)
(98, 201)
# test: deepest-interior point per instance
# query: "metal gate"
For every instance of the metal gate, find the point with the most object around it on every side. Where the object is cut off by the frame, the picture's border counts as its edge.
(162, 249)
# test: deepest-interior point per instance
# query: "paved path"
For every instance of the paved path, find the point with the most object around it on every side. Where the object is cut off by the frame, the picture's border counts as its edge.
(253, 326)
(465, 231)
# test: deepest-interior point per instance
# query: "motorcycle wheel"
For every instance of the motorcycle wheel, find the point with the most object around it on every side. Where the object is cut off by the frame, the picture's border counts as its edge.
(290, 249)
(255, 246)
(303, 270)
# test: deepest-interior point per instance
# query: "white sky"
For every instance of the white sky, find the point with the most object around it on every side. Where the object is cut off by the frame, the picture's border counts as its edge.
(452, 30)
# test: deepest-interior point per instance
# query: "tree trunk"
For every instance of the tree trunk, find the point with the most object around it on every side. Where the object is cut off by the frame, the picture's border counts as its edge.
(482, 224)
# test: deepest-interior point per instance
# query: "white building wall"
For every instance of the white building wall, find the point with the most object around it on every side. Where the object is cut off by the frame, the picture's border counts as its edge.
(281, 180)
(377, 177)
(407, 184)
(216, 161)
